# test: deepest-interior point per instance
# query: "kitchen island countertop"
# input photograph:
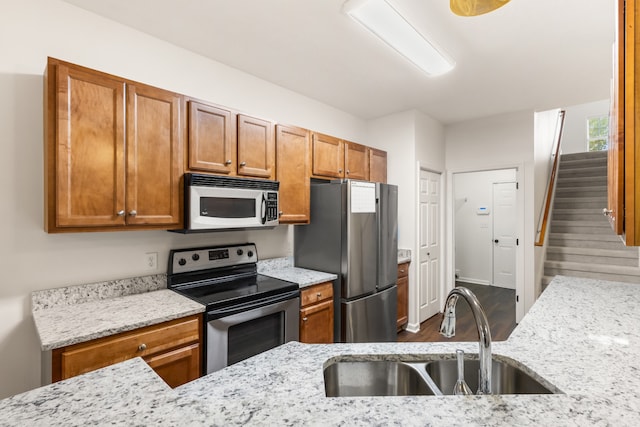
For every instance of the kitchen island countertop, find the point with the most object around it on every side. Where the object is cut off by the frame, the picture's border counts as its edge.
(582, 336)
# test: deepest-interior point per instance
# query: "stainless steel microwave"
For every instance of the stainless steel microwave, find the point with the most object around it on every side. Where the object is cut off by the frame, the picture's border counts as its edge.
(227, 203)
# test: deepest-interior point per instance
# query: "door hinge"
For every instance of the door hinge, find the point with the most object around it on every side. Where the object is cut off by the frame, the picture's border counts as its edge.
(517, 242)
(517, 298)
(517, 185)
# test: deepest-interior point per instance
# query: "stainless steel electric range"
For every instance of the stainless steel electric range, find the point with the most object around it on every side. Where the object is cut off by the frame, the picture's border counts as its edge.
(246, 312)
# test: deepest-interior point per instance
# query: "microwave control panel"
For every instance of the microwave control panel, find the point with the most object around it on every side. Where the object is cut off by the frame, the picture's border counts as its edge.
(271, 200)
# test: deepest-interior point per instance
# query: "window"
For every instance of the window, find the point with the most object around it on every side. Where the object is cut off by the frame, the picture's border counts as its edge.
(598, 133)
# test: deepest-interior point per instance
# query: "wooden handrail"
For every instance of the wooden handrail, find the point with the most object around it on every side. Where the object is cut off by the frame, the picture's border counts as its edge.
(552, 183)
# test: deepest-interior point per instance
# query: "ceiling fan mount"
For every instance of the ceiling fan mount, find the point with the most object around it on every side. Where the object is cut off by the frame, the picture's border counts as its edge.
(475, 7)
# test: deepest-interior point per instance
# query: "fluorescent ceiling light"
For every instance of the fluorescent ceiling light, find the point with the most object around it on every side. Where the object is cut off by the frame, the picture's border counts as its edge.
(384, 21)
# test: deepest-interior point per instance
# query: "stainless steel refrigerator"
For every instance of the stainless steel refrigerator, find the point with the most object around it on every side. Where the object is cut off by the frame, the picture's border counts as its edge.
(354, 233)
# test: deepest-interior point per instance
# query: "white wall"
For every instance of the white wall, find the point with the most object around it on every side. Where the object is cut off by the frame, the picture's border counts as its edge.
(30, 259)
(574, 139)
(498, 142)
(410, 138)
(473, 233)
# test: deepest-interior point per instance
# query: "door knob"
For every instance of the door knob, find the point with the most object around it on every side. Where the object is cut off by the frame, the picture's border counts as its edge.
(495, 241)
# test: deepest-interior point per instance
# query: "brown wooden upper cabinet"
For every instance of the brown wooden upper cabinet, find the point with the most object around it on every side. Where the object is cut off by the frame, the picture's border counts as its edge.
(223, 142)
(377, 165)
(113, 152)
(292, 160)
(256, 147)
(327, 156)
(212, 139)
(356, 161)
(333, 158)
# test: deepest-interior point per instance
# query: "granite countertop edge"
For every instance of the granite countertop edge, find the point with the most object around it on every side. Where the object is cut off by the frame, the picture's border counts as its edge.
(571, 337)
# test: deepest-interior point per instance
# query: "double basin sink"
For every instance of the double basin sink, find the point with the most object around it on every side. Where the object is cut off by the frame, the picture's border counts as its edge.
(344, 378)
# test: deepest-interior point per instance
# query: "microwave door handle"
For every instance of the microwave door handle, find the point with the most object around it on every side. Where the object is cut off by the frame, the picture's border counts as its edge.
(263, 209)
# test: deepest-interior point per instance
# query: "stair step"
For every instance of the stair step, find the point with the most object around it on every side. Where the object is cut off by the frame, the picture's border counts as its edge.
(595, 241)
(584, 155)
(591, 190)
(601, 256)
(577, 215)
(583, 227)
(581, 181)
(585, 172)
(592, 275)
(583, 163)
(580, 203)
(630, 252)
(618, 270)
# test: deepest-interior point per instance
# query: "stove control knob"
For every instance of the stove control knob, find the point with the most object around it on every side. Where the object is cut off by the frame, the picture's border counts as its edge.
(182, 261)
(250, 254)
(195, 257)
(239, 252)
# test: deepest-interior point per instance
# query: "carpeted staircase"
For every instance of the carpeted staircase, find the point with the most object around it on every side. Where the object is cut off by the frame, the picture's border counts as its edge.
(581, 241)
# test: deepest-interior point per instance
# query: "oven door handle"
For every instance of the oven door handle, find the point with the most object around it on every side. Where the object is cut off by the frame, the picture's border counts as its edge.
(235, 309)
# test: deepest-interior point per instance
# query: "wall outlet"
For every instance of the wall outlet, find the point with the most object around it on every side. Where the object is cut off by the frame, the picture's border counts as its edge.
(151, 261)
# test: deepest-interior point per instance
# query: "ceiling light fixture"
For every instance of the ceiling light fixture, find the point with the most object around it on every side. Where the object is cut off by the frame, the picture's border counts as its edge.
(475, 7)
(379, 17)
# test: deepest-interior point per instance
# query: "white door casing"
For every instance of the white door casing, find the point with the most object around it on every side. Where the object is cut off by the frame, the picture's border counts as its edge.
(429, 245)
(505, 213)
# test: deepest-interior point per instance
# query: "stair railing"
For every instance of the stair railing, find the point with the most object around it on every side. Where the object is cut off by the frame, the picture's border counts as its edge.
(551, 185)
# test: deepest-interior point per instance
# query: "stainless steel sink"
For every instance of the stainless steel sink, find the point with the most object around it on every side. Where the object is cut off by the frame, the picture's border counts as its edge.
(505, 377)
(374, 378)
(427, 377)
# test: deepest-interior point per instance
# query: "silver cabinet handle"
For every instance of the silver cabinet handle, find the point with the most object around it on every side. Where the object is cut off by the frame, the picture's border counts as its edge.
(228, 162)
(243, 163)
(133, 212)
(121, 212)
(339, 170)
(304, 319)
(280, 213)
(347, 171)
(607, 212)
(142, 347)
(402, 271)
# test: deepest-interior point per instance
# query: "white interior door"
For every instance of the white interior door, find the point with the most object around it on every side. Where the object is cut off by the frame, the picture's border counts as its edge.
(504, 234)
(429, 256)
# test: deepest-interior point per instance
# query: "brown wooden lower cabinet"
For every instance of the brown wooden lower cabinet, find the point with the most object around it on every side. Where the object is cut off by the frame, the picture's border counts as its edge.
(170, 348)
(403, 295)
(316, 314)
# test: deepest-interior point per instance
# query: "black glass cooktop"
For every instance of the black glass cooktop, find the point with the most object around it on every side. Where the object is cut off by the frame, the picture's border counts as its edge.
(223, 293)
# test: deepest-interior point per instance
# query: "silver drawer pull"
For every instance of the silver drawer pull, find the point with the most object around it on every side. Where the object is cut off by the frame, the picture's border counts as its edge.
(304, 319)
(142, 347)
(228, 162)
(243, 163)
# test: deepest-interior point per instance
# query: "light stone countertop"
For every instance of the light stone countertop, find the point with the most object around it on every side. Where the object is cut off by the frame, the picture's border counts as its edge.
(404, 255)
(283, 269)
(81, 313)
(581, 336)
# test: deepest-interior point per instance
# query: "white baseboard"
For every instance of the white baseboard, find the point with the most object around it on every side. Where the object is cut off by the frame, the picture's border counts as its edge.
(414, 328)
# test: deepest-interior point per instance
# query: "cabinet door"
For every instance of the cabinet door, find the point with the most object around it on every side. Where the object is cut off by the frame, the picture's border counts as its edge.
(316, 323)
(154, 156)
(212, 139)
(356, 161)
(256, 147)
(292, 165)
(177, 367)
(377, 165)
(85, 153)
(327, 156)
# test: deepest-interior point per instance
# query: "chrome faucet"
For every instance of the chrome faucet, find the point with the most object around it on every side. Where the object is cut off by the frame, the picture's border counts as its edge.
(448, 329)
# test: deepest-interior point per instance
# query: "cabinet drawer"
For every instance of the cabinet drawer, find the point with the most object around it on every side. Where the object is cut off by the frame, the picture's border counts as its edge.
(316, 293)
(84, 357)
(403, 270)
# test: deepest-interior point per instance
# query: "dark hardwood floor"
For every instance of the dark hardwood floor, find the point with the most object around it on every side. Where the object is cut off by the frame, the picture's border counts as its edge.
(499, 306)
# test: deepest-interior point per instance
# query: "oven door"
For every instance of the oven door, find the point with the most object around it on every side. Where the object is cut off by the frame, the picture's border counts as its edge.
(251, 329)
